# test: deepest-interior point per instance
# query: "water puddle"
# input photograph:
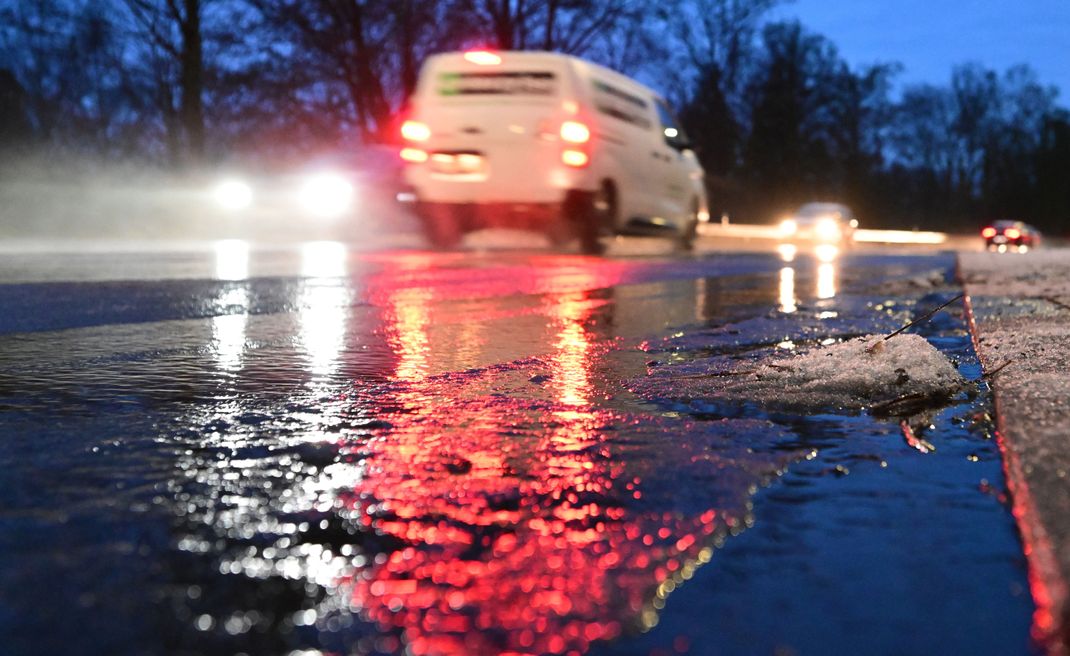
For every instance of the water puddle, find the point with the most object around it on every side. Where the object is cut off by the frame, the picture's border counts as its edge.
(891, 519)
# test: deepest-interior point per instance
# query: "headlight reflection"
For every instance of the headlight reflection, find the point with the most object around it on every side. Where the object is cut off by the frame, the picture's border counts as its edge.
(324, 259)
(826, 253)
(228, 328)
(826, 270)
(826, 280)
(787, 290)
(324, 304)
(231, 259)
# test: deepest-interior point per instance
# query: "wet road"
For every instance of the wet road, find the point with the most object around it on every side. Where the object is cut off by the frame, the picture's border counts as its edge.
(315, 450)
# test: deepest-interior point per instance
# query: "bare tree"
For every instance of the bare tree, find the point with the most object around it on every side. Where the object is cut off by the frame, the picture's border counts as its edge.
(718, 50)
(618, 33)
(722, 35)
(367, 51)
(67, 58)
(358, 60)
(172, 31)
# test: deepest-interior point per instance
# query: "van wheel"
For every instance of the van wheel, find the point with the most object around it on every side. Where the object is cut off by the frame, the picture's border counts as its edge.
(442, 226)
(600, 219)
(686, 238)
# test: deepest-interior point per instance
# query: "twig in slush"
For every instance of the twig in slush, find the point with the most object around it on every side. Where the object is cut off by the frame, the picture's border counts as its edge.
(924, 317)
(718, 374)
(1054, 301)
(992, 374)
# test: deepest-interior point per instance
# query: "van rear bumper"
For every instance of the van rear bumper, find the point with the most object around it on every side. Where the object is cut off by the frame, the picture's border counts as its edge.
(538, 217)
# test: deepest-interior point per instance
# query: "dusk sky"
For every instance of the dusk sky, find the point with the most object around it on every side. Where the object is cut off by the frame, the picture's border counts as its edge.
(929, 37)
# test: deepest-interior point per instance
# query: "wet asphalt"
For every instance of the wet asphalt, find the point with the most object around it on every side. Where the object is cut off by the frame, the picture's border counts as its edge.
(314, 449)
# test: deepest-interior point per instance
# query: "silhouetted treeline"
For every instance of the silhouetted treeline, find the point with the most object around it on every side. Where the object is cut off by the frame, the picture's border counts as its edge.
(776, 114)
(780, 119)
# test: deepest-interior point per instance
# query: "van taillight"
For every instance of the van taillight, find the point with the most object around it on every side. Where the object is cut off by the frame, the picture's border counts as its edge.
(988, 232)
(575, 158)
(414, 155)
(575, 132)
(1012, 233)
(415, 131)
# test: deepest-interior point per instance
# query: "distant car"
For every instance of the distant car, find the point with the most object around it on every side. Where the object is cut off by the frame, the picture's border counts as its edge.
(1008, 235)
(822, 223)
(547, 142)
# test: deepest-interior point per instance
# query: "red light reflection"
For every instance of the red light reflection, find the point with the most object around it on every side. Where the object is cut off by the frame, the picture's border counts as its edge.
(572, 350)
(1045, 582)
(518, 530)
(409, 339)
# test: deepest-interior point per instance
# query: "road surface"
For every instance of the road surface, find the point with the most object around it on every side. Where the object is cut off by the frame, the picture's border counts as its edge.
(314, 449)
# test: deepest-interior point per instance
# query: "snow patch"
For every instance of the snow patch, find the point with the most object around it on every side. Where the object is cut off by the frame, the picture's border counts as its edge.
(863, 372)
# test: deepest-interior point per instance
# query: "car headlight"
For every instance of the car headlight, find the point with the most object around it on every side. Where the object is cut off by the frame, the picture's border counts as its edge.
(233, 194)
(326, 194)
(788, 227)
(827, 229)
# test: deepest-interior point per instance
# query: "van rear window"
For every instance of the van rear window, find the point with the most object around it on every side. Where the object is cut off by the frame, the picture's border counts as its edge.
(498, 83)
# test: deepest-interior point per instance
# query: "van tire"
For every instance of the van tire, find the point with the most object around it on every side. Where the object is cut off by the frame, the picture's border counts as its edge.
(442, 225)
(689, 232)
(598, 218)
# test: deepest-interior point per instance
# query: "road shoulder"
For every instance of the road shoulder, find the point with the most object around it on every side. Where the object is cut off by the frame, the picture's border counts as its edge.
(1019, 315)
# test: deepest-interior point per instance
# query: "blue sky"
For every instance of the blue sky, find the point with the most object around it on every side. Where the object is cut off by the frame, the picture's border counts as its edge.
(929, 37)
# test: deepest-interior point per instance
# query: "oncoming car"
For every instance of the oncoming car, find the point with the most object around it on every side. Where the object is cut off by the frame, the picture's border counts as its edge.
(327, 187)
(1010, 235)
(822, 223)
(546, 142)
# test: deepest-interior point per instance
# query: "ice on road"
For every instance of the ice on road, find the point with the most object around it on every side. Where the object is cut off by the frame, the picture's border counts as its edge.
(854, 375)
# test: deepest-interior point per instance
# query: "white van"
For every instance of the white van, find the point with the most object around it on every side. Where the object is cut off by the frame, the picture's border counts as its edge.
(546, 142)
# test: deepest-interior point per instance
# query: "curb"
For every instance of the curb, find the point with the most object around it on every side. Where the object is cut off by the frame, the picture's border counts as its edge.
(1047, 581)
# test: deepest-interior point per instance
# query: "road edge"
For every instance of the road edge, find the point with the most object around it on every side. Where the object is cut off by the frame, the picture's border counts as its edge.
(1047, 581)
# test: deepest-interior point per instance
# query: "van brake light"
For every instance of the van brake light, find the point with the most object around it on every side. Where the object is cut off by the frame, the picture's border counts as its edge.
(1012, 233)
(575, 158)
(988, 232)
(414, 155)
(415, 131)
(482, 58)
(575, 132)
